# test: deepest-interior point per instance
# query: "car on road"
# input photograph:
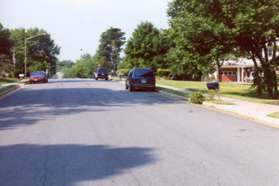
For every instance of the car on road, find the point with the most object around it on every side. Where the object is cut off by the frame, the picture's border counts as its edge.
(101, 73)
(38, 77)
(141, 78)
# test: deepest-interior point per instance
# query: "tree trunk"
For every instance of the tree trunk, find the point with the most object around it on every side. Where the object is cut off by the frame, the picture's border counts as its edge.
(257, 78)
(218, 70)
(276, 93)
(271, 81)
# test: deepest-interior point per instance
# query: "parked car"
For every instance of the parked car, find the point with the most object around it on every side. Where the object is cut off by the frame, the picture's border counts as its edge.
(141, 78)
(101, 73)
(38, 76)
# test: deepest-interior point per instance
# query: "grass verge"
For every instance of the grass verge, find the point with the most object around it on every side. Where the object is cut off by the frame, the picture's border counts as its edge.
(274, 115)
(8, 80)
(230, 90)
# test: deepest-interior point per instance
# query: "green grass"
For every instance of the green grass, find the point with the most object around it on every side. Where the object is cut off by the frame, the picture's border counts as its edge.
(8, 80)
(232, 90)
(274, 115)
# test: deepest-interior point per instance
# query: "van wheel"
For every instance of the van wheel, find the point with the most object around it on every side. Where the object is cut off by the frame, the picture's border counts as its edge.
(131, 88)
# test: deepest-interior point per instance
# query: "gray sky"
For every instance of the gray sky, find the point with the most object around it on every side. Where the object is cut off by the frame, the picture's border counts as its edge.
(77, 24)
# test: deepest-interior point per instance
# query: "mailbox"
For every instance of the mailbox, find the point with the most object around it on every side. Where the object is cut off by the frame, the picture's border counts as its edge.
(213, 86)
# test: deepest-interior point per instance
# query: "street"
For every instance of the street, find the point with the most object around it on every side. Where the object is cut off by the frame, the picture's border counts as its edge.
(86, 132)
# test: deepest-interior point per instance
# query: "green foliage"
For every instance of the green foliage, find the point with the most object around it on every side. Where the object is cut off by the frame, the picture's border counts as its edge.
(147, 47)
(206, 33)
(5, 41)
(123, 71)
(41, 51)
(83, 68)
(197, 98)
(163, 73)
(110, 46)
(5, 50)
(201, 42)
(65, 64)
(214, 29)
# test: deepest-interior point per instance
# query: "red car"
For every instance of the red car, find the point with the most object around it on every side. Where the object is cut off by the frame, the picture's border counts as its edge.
(38, 77)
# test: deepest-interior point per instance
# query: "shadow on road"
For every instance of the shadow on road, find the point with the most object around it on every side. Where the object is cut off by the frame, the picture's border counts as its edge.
(31, 105)
(68, 165)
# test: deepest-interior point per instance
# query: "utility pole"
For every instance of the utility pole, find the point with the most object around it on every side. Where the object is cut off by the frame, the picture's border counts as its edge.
(25, 50)
(25, 58)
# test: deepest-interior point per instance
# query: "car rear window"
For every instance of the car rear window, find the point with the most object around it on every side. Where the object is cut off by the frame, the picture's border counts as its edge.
(143, 73)
(37, 74)
(102, 70)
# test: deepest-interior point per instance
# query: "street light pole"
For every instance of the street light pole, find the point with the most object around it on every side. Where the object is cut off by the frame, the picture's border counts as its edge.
(25, 58)
(25, 50)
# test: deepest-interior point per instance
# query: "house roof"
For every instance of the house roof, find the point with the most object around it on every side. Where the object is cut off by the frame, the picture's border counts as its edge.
(240, 62)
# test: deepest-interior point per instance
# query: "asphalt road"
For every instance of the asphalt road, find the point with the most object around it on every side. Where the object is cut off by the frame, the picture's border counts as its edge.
(83, 132)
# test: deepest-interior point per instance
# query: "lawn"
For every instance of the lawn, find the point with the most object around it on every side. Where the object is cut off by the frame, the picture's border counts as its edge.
(274, 115)
(8, 80)
(233, 90)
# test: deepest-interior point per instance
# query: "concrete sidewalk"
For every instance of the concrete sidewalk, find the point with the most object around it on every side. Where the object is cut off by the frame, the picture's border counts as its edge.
(254, 111)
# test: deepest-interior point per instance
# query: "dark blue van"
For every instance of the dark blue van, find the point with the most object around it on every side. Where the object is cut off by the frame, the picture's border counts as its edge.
(141, 78)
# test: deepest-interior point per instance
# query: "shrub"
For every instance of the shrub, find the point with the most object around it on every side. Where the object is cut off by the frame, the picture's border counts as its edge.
(197, 98)
(163, 72)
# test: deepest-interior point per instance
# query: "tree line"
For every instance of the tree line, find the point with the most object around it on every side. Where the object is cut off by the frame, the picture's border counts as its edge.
(202, 34)
(40, 54)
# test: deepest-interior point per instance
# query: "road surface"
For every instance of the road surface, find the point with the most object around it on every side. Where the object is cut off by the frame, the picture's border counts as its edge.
(85, 132)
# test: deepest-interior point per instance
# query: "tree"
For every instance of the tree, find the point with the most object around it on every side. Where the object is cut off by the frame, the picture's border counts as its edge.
(143, 47)
(5, 48)
(111, 43)
(83, 68)
(204, 42)
(221, 27)
(65, 64)
(41, 51)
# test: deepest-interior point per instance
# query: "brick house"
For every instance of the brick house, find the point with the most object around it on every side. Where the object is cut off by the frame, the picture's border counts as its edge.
(240, 70)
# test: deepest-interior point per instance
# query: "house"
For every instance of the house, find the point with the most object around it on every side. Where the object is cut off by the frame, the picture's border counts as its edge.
(240, 70)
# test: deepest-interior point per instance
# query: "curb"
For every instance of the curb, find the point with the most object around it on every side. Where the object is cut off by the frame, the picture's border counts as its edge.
(10, 91)
(212, 108)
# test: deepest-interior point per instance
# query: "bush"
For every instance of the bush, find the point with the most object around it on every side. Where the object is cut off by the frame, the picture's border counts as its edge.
(197, 98)
(163, 73)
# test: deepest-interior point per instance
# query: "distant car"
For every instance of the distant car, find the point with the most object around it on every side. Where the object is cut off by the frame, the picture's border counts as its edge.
(141, 78)
(37, 77)
(101, 73)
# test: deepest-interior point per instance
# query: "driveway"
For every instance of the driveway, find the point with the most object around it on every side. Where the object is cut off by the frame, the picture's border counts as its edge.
(85, 132)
